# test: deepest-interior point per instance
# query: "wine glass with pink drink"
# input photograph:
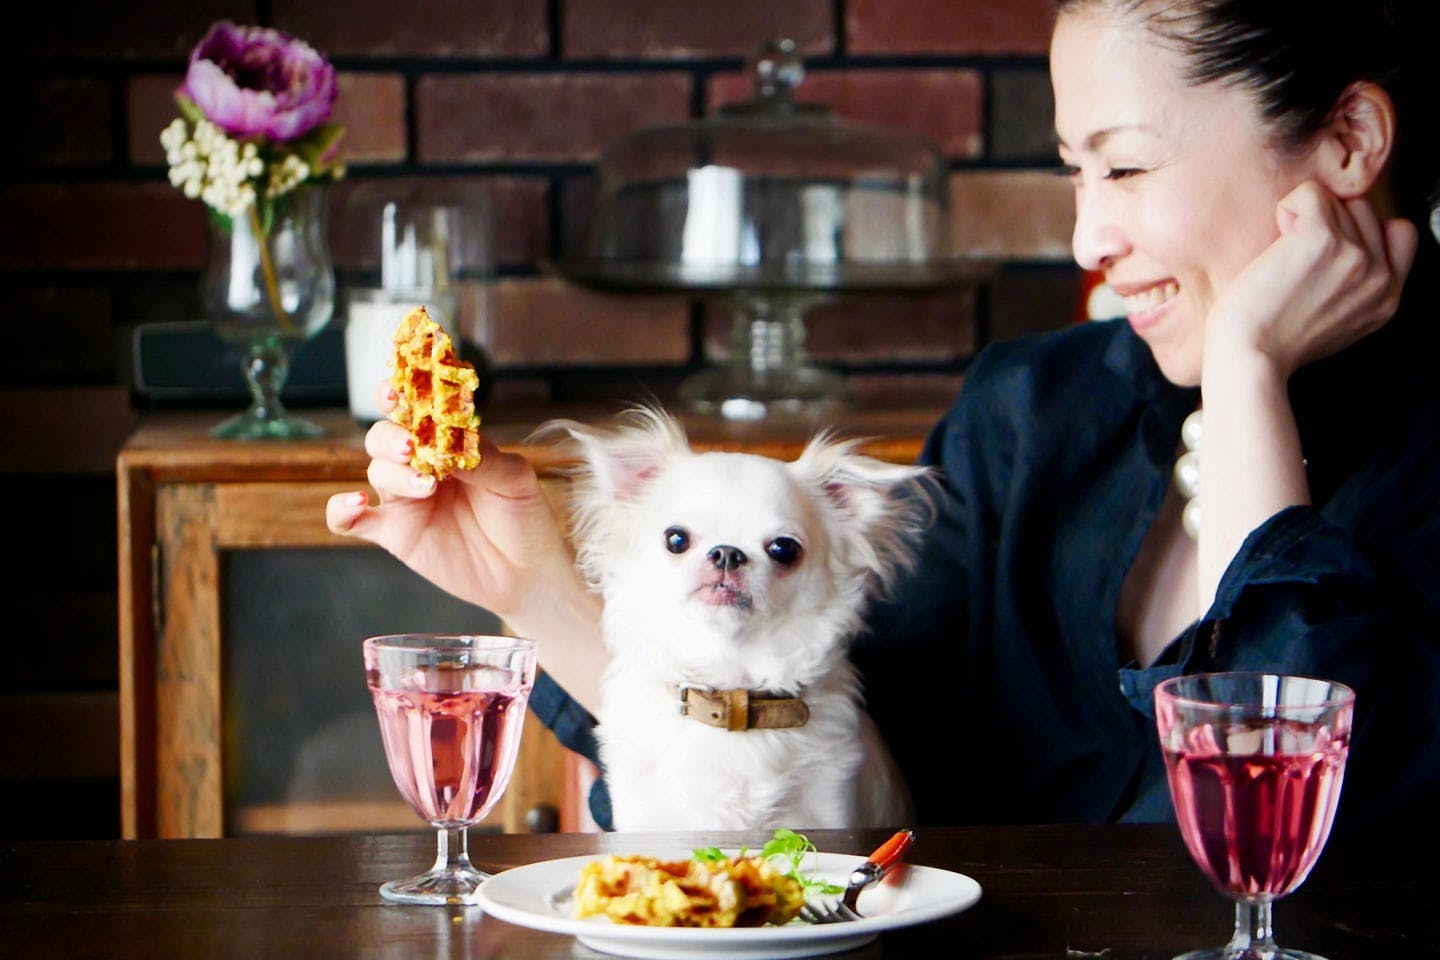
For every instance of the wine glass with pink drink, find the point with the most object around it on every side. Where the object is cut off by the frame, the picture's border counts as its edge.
(1255, 762)
(451, 708)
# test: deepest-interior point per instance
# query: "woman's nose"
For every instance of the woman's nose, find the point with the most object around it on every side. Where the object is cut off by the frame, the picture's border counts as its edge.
(1098, 238)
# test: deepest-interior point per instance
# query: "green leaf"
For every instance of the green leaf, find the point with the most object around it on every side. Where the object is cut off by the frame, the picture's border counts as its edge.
(188, 110)
(319, 148)
(791, 849)
(220, 219)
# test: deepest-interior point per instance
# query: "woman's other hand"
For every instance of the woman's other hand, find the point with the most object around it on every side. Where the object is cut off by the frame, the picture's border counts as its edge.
(1333, 276)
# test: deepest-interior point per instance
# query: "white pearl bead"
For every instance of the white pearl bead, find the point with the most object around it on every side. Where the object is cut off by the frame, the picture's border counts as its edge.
(1187, 474)
(1190, 519)
(1191, 429)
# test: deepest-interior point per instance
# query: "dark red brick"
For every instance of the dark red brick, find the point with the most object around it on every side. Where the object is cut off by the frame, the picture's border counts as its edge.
(1012, 214)
(577, 199)
(692, 28)
(83, 313)
(554, 117)
(100, 226)
(517, 210)
(1022, 121)
(65, 122)
(371, 108)
(550, 322)
(944, 106)
(124, 31)
(421, 28)
(949, 27)
(93, 420)
(149, 109)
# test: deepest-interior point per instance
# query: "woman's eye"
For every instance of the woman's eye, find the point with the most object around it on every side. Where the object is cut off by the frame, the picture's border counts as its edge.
(677, 540)
(1121, 173)
(783, 550)
(1067, 171)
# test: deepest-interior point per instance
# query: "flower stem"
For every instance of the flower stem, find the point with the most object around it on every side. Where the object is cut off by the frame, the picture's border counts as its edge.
(267, 266)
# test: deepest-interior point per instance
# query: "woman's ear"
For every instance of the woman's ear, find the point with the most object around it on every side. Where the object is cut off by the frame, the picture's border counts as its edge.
(1356, 142)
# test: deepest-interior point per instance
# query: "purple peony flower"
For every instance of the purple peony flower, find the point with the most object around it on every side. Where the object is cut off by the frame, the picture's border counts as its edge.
(255, 81)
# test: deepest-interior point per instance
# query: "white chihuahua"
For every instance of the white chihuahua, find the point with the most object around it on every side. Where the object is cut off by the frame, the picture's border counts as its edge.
(733, 584)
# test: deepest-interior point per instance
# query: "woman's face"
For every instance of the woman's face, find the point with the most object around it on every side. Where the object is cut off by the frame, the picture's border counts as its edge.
(1175, 185)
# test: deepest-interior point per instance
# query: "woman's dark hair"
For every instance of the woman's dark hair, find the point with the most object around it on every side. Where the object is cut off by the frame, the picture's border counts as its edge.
(1299, 56)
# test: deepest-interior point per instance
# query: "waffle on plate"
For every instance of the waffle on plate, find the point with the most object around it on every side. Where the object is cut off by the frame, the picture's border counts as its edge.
(645, 891)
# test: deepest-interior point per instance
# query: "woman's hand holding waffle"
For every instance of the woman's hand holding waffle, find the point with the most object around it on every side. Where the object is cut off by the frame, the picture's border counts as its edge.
(486, 535)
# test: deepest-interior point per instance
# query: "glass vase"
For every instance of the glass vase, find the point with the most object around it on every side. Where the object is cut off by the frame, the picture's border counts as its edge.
(268, 286)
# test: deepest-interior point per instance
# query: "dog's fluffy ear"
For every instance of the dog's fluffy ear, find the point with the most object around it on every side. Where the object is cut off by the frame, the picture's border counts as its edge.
(614, 466)
(617, 462)
(883, 507)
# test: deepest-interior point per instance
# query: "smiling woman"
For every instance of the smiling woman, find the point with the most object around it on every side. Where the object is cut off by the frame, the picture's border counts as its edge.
(1249, 175)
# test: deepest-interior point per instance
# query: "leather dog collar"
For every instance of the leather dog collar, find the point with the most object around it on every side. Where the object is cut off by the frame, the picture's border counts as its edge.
(739, 710)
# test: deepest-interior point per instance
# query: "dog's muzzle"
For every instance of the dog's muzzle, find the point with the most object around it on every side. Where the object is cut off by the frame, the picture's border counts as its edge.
(739, 710)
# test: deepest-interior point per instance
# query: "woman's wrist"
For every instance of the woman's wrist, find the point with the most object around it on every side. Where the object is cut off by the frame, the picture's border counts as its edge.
(562, 615)
(1251, 466)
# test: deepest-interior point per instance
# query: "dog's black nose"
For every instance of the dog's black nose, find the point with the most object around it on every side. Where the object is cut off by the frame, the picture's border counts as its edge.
(726, 558)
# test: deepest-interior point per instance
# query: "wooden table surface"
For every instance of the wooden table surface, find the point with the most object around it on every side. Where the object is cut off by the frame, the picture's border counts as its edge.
(1062, 893)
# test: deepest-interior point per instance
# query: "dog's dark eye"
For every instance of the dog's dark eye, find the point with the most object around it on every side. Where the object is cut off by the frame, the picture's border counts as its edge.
(783, 550)
(677, 540)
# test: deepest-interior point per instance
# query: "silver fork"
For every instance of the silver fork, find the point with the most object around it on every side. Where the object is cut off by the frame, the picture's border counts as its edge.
(876, 866)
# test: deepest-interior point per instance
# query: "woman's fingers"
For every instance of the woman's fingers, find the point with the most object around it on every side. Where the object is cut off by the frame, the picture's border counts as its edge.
(389, 441)
(1367, 226)
(343, 509)
(385, 398)
(1401, 241)
(392, 480)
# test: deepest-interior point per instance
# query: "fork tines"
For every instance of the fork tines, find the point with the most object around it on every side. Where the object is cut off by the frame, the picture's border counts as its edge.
(837, 912)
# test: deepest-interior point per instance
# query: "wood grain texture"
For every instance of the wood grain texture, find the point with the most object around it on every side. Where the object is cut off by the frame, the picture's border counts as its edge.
(1049, 893)
(188, 721)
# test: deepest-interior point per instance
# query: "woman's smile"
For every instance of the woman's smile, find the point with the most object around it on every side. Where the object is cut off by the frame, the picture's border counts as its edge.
(1146, 306)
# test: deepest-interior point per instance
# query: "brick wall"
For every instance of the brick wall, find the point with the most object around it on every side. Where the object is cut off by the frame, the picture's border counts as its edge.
(518, 98)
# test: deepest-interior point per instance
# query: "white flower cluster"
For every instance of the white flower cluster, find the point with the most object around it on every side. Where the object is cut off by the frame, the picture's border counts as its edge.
(222, 172)
(291, 172)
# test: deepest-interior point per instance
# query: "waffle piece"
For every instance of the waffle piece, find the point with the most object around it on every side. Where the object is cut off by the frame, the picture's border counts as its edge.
(436, 397)
(644, 891)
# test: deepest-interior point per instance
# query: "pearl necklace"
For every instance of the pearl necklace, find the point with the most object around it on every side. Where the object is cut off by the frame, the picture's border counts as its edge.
(1187, 472)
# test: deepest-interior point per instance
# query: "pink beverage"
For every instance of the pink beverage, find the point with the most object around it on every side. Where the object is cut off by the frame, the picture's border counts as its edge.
(451, 754)
(1256, 822)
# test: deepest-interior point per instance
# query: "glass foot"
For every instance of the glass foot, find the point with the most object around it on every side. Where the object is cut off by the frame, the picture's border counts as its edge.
(436, 887)
(252, 426)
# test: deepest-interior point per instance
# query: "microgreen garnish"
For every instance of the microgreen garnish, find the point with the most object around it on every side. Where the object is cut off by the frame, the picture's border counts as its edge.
(785, 845)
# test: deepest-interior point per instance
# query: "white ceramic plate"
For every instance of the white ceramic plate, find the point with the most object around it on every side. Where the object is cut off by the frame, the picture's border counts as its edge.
(538, 896)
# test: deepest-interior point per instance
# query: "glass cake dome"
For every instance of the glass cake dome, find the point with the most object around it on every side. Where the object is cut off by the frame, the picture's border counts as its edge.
(774, 205)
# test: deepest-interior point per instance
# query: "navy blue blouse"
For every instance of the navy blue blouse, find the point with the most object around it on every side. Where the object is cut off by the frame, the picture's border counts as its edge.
(993, 672)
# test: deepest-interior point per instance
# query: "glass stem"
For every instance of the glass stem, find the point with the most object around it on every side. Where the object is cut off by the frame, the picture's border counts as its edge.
(1254, 937)
(452, 850)
(267, 368)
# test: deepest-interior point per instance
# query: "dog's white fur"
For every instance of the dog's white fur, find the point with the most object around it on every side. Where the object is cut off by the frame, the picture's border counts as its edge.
(762, 625)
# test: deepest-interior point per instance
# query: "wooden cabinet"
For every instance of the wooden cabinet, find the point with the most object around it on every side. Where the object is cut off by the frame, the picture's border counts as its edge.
(185, 501)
